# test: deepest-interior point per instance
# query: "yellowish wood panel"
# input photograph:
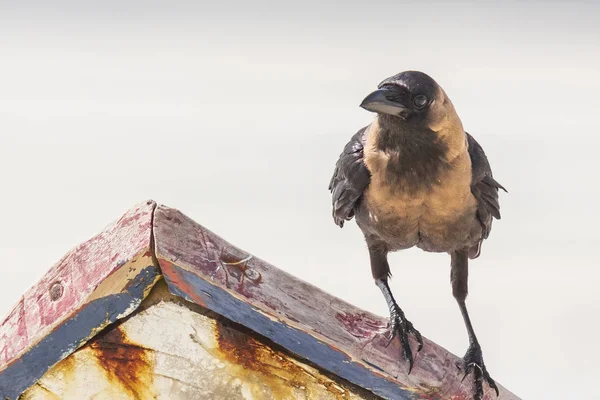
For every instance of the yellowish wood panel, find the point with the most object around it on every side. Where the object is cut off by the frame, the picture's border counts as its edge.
(169, 351)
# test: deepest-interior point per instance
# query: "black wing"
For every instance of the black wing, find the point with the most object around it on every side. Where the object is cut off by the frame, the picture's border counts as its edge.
(485, 189)
(350, 178)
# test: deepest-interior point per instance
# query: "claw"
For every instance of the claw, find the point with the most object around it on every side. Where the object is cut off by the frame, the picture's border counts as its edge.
(398, 324)
(474, 363)
(401, 327)
(407, 352)
(478, 385)
(391, 336)
(411, 362)
(490, 381)
(418, 337)
(467, 371)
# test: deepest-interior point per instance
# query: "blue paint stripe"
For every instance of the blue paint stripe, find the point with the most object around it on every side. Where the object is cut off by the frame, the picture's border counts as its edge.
(296, 341)
(31, 366)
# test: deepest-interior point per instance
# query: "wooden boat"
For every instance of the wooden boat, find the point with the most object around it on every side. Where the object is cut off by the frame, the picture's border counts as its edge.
(158, 307)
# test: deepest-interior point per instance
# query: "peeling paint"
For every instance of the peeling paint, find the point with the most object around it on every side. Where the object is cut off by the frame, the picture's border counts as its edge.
(26, 370)
(316, 326)
(173, 351)
(291, 338)
(80, 272)
(172, 275)
(284, 375)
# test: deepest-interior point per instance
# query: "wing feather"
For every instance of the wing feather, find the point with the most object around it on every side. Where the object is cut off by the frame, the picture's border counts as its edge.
(485, 189)
(350, 178)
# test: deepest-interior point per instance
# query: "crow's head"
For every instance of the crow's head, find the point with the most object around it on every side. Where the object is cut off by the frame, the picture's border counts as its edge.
(413, 97)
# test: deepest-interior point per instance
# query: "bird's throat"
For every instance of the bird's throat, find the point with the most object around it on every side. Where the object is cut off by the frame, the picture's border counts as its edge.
(407, 157)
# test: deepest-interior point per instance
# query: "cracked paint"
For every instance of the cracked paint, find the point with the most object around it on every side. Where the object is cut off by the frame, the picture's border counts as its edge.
(172, 350)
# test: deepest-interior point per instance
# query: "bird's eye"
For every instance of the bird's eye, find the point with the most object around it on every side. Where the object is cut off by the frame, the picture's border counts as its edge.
(420, 101)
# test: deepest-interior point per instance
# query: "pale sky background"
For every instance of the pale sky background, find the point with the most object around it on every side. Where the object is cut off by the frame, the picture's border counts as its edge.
(236, 113)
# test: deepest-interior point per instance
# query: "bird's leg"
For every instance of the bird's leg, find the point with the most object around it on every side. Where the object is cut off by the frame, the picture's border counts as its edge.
(399, 325)
(473, 358)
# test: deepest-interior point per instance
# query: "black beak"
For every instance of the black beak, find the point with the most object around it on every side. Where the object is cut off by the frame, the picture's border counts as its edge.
(379, 102)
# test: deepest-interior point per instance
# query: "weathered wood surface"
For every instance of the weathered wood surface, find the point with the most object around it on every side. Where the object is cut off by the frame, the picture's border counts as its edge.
(336, 336)
(98, 282)
(106, 278)
(173, 351)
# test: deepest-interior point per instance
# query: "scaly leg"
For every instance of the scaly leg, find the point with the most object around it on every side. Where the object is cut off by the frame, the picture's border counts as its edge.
(473, 359)
(399, 325)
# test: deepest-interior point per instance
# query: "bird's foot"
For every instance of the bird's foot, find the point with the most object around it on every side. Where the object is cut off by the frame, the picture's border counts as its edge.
(473, 362)
(401, 327)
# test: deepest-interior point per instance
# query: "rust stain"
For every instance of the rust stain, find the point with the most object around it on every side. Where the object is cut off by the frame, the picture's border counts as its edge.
(125, 364)
(278, 371)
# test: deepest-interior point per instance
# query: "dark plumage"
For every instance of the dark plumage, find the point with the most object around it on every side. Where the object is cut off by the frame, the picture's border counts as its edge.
(414, 177)
(485, 189)
(349, 179)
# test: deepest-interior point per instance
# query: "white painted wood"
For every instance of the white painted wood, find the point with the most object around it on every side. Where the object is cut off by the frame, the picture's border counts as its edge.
(185, 361)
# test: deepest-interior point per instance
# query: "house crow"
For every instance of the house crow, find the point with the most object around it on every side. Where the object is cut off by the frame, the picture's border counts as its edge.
(414, 177)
